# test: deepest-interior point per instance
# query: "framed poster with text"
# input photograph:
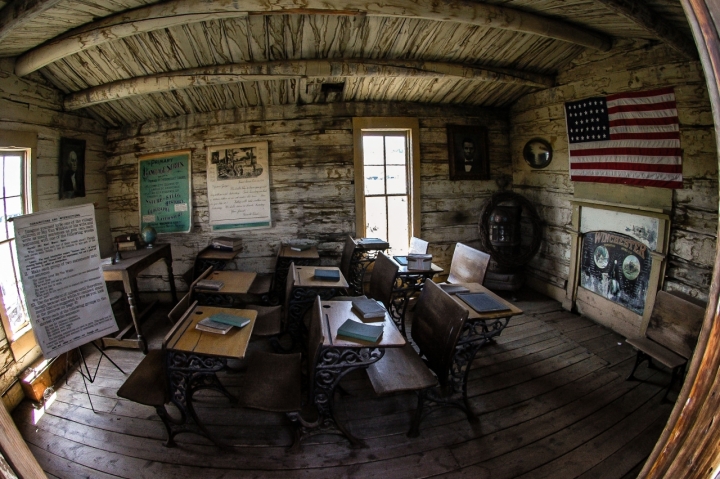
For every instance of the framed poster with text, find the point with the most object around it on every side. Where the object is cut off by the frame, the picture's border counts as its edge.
(165, 191)
(238, 184)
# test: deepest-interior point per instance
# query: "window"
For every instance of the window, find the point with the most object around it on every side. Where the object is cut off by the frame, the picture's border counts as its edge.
(13, 180)
(386, 180)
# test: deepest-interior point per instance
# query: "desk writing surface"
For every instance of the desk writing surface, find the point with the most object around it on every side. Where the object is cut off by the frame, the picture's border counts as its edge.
(306, 278)
(218, 254)
(434, 269)
(235, 282)
(335, 313)
(287, 252)
(131, 260)
(478, 288)
(230, 345)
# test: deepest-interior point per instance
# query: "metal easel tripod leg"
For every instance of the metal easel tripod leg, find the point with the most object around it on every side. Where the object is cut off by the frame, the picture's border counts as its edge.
(86, 373)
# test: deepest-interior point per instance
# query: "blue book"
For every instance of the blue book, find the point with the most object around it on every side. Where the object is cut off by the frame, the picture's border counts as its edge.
(327, 274)
(229, 319)
(356, 330)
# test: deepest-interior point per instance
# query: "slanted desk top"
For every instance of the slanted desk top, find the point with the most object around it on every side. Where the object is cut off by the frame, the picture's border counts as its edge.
(371, 244)
(478, 288)
(287, 252)
(231, 345)
(305, 277)
(335, 313)
(235, 282)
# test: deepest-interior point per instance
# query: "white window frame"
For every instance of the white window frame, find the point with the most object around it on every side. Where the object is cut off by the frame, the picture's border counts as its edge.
(22, 341)
(410, 126)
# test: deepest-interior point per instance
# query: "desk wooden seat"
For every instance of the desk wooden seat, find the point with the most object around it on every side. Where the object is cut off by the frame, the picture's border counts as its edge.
(400, 369)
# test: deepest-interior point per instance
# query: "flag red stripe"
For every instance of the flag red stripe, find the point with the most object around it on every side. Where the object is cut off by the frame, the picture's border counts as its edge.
(627, 151)
(641, 94)
(627, 167)
(661, 135)
(666, 105)
(630, 181)
(665, 120)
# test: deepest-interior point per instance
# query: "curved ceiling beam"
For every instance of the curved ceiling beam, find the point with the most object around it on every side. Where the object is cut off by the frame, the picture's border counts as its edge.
(16, 14)
(174, 12)
(283, 70)
(640, 14)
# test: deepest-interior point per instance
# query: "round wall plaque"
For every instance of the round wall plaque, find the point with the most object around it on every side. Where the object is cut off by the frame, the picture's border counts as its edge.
(537, 153)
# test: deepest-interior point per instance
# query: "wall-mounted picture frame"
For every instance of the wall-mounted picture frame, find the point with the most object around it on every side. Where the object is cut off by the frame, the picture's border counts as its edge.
(468, 152)
(71, 171)
(538, 153)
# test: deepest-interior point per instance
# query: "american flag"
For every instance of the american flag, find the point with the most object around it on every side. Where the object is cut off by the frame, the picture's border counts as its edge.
(631, 138)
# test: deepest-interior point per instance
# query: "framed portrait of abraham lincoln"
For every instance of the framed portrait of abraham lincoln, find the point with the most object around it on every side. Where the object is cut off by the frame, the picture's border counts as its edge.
(71, 171)
(468, 152)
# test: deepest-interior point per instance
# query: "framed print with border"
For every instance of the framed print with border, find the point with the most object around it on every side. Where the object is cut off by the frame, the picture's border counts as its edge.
(468, 152)
(165, 191)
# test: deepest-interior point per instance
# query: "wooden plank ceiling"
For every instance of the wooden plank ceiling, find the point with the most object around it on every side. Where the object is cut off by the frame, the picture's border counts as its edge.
(129, 61)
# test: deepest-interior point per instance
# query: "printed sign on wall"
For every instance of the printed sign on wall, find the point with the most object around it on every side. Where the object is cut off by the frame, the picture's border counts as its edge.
(617, 267)
(238, 184)
(165, 192)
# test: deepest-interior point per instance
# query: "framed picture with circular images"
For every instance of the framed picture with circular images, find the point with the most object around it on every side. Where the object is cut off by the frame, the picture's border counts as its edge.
(537, 153)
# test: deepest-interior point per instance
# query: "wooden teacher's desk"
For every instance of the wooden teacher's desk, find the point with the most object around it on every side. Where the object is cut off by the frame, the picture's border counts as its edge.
(127, 270)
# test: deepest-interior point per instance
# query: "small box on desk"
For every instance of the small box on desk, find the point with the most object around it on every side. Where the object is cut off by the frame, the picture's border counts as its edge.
(420, 262)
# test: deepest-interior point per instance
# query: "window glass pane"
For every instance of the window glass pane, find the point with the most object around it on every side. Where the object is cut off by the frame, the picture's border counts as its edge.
(376, 217)
(11, 297)
(396, 183)
(374, 180)
(398, 224)
(373, 150)
(13, 175)
(13, 207)
(3, 222)
(395, 150)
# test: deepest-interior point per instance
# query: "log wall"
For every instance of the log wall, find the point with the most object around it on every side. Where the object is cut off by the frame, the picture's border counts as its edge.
(311, 177)
(30, 105)
(629, 66)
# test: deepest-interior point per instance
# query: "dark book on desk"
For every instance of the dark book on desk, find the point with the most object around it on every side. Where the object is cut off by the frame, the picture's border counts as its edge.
(210, 326)
(327, 274)
(300, 247)
(229, 319)
(453, 288)
(368, 309)
(357, 330)
(370, 240)
(401, 260)
(482, 303)
(209, 284)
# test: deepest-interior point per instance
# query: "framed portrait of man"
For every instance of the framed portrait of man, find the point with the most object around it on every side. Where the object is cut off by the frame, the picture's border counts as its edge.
(468, 152)
(72, 168)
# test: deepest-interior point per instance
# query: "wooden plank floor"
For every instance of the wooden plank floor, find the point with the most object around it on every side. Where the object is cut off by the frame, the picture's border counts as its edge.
(550, 393)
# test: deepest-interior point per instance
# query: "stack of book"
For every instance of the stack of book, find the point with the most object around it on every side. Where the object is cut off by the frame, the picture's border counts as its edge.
(226, 243)
(129, 242)
(209, 284)
(221, 323)
(368, 309)
(355, 330)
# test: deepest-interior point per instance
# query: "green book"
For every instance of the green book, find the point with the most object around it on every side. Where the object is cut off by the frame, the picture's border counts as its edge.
(229, 319)
(356, 330)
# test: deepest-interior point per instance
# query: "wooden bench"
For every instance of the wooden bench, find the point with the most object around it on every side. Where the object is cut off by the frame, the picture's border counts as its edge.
(671, 334)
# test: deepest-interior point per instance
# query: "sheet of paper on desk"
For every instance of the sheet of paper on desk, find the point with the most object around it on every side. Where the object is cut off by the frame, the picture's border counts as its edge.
(482, 303)
(210, 326)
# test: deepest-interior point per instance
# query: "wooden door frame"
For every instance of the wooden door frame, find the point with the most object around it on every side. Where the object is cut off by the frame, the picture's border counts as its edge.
(687, 447)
